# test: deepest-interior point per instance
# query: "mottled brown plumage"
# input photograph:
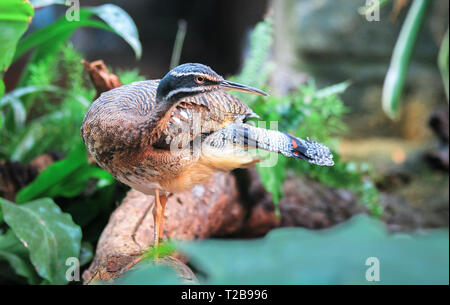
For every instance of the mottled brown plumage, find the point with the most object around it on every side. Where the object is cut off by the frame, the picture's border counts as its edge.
(121, 132)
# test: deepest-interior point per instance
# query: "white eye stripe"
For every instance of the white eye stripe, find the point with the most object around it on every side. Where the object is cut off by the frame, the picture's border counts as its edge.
(192, 89)
(208, 77)
(175, 73)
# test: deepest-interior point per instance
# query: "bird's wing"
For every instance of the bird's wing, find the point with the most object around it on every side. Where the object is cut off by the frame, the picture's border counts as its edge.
(201, 114)
(233, 146)
(220, 105)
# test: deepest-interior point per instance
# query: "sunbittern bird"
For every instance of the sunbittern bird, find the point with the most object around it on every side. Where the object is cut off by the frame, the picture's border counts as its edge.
(165, 136)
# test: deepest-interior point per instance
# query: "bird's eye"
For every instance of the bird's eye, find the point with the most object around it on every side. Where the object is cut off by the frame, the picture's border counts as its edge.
(200, 80)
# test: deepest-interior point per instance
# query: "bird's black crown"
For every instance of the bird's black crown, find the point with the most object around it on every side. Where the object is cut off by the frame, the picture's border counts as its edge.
(187, 79)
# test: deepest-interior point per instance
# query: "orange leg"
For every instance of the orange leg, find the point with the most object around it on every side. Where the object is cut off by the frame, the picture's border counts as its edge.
(163, 201)
(157, 209)
(158, 217)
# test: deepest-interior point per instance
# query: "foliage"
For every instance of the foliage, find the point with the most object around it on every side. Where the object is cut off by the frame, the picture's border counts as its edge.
(67, 178)
(54, 114)
(49, 236)
(164, 249)
(37, 234)
(21, 142)
(129, 76)
(396, 75)
(50, 39)
(57, 126)
(305, 112)
(303, 256)
(15, 16)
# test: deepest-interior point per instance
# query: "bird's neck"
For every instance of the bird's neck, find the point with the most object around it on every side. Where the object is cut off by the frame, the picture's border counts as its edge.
(162, 107)
(157, 122)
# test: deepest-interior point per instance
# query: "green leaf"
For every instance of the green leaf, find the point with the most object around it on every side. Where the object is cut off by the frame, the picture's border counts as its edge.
(50, 235)
(20, 266)
(17, 114)
(15, 16)
(396, 75)
(122, 24)
(53, 175)
(333, 256)
(51, 38)
(54, 35)
(68, 178)
(16, 255)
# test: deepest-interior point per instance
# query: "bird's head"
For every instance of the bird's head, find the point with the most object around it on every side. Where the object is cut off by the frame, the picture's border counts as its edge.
(192, 78)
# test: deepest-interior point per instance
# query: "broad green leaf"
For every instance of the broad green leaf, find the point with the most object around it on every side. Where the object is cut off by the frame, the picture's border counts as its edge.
(122, 24)
(50, 235)
(15, 16)
(333, 256)
(53, 175)
(50, 39)
(68, 178)
(10, 242)
(54, 35)
(21, 266)
(396, 75)
(15, 253)
(77, 181)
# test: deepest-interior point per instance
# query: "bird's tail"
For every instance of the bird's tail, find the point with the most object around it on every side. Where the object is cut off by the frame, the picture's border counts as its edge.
(274, 141)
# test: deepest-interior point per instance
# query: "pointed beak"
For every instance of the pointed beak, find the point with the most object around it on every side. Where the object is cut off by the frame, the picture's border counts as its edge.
(227, 85)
